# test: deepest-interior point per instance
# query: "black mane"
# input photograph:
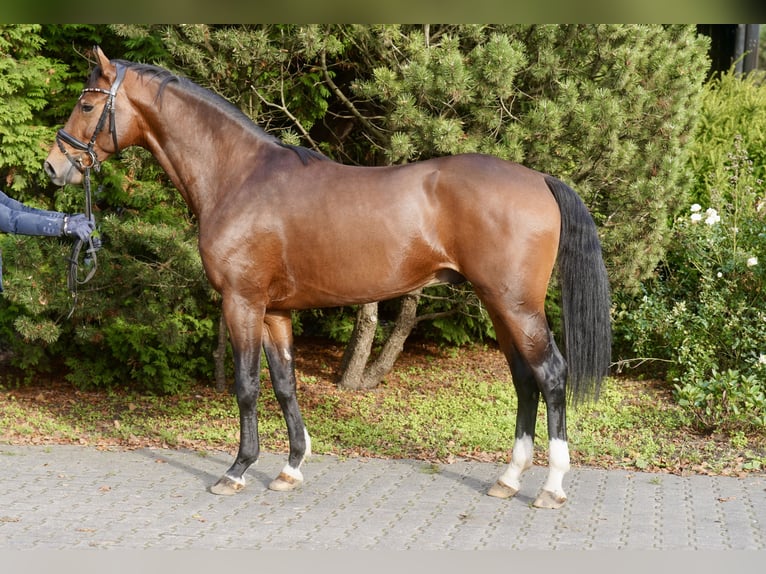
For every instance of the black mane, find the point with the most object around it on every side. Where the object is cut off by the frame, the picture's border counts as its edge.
(166, 77)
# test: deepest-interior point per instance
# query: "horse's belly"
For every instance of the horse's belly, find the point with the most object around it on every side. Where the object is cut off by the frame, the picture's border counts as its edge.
(364, 282)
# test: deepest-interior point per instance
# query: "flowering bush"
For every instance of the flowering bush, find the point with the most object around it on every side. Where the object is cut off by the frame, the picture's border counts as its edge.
(705, 313)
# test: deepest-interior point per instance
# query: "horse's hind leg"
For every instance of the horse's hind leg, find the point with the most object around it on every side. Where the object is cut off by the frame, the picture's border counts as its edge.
(551, 373)
(278, 345)
(528, 394)
(538, 368)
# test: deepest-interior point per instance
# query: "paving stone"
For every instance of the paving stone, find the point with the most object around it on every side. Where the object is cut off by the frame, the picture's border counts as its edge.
(59, 497)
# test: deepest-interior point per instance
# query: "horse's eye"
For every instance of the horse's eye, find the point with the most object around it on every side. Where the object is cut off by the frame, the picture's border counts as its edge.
(87, 108)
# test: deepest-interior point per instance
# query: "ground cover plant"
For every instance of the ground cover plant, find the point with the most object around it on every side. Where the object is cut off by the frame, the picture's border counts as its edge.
(438, 404)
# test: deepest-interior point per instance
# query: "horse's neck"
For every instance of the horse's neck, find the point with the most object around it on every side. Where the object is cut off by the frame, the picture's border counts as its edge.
(193, 149)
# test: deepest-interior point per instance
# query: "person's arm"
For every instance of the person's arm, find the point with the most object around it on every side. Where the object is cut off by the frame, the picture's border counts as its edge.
(15, 217)
(30, 223)
(15, 205)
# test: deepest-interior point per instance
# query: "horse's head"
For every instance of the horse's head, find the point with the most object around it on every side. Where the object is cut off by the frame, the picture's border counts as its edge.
(96, 128)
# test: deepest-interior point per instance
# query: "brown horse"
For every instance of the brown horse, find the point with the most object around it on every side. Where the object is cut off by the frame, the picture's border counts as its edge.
(282, 228)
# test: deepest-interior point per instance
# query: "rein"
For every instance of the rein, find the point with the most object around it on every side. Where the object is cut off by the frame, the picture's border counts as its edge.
(90, 260)
(63, 137)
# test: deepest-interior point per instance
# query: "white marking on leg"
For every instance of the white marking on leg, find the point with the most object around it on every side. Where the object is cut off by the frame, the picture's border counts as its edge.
(294, 473)
(558, 466)
(521, 460)
(308, 444)
(238, 479)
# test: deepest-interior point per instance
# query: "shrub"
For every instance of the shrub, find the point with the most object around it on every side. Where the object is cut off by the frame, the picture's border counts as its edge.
(608, 108)
(731, 106)
(705, 313)
(147, 319)
(27, 82)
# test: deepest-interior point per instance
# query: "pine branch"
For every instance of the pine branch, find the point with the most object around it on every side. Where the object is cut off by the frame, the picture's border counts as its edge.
(283, 108)
(434, 316)
(371, 128)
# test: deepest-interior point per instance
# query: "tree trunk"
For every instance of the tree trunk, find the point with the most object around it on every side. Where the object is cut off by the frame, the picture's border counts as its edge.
(355, 374)
(392, 348)
(359, 347)
(219, 355)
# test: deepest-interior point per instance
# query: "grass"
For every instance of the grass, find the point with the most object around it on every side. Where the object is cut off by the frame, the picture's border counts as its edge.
(435, 407)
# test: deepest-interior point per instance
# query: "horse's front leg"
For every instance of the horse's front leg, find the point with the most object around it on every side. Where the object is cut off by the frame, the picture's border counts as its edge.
(246, 331)
(278, 345)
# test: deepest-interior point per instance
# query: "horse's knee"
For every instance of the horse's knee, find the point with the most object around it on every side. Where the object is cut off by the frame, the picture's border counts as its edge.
(284, 391)
(247, 399)
(247, 381)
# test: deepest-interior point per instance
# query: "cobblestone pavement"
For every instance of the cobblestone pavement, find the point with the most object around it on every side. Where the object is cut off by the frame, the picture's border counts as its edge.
(56, 497)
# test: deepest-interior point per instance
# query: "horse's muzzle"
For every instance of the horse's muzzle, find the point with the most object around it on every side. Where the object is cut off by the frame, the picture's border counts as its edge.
(62, 172)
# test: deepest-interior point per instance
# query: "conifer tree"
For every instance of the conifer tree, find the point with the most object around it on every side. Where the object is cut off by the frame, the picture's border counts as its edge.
(26, 81)
(608, 108)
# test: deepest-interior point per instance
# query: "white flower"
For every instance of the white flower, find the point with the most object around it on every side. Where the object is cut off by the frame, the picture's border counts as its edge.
(696, 217)
(696, 207)
(712, 216)
(720, 274)
(752, 262)
(762, 359)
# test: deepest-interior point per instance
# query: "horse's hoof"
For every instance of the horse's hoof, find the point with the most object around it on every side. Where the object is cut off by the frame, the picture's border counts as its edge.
(227, 486)
(548, 499)
(502, 490)
(284, 483)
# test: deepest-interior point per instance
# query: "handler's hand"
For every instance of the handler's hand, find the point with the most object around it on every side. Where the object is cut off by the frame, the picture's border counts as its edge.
(78, 226)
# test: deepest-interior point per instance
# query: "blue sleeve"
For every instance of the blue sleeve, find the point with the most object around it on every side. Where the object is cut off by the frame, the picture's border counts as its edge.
(28, 221)
(11, 203)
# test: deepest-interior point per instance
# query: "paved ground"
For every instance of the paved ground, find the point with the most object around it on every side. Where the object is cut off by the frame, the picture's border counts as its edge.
(79, 497)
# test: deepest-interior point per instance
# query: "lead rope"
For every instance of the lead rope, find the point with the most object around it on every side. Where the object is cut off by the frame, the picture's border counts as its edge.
(90, 260)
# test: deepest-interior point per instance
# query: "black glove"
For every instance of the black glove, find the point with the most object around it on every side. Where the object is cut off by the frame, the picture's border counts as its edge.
(78, 226)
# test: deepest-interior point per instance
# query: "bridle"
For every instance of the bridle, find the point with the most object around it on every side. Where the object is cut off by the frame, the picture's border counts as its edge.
(63, 137)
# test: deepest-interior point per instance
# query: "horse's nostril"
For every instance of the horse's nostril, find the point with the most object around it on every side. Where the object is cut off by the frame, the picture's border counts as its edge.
(49, 170)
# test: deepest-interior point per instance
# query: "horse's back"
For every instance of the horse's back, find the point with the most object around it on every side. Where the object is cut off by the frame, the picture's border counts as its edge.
(460, 206)
(468, 191)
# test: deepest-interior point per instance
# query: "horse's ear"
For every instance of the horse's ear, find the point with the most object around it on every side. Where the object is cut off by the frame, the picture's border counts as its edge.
(108, 70)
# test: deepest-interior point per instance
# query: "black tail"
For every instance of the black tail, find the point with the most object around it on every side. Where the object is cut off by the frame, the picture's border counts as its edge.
(585, 295)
